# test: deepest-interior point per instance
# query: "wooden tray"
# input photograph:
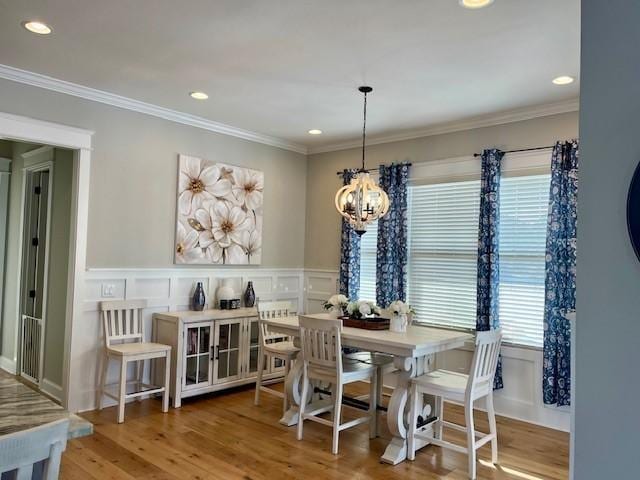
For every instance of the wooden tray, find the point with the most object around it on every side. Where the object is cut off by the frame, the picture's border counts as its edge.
(371, 323)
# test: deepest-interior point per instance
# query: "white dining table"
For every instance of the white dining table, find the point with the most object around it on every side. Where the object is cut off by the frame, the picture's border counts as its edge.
(412, 355)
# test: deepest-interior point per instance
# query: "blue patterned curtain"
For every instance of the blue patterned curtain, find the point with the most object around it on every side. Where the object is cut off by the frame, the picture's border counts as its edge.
(560, 282)
(488, 246)
(349, 252)
(391, 262)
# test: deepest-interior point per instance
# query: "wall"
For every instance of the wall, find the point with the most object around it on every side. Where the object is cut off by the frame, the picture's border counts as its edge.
(607, 326)
(134, 177)
(322, 242)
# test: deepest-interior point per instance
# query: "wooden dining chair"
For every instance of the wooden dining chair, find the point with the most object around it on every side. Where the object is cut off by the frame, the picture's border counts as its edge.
(464, 389)
(273, 346)
(322, 356)
(40, 447)
(124, 341)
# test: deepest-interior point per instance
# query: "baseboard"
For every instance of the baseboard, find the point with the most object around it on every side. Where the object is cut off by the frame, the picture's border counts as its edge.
(8, 365)
(52, 389)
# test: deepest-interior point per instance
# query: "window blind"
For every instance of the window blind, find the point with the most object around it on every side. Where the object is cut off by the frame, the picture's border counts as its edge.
(368, 252)
(523, 228)
(443, 248)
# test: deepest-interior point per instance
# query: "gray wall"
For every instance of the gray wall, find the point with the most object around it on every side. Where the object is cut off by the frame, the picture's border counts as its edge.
(134, 168)
(607, 383)
(323, 222)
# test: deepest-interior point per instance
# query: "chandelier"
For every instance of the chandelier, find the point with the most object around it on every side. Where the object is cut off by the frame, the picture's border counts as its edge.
(362, 201)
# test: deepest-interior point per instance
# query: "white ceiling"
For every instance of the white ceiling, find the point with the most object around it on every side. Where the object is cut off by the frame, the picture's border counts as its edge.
(282, 67)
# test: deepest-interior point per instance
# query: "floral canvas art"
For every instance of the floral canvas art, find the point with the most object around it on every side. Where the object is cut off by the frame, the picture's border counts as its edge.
(219, 218)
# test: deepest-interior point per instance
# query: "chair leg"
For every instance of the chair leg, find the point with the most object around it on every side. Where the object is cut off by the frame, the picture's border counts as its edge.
(471, 438)
(103, 379)
(373, 405)
(259, 379)
(285, 399)
(167, 382)
(413, 422)
(337, 415)
(439, 405)
(123, 390)
(139, 375)
(303, 402)
(379, 388)
(493, 430)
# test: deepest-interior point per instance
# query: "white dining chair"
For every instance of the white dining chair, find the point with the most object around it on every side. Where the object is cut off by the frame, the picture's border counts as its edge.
(465, 389)
(124, 341)
(273, 346)
(21, 451)
(323, 360)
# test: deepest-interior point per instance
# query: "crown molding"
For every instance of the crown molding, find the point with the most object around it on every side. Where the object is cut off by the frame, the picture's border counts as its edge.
(489, 120)
(61, 86)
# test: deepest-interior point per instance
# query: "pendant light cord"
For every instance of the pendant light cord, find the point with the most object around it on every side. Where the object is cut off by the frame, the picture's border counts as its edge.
(364, 129)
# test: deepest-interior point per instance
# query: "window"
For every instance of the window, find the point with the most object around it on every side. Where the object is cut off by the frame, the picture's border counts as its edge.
(368, 254)
(443, 250)
(524, 204)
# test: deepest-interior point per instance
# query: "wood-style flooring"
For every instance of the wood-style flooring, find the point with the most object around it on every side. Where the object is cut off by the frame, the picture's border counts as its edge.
(224, 436)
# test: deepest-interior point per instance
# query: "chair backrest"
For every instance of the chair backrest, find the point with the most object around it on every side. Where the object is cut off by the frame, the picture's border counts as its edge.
(21, 450)
(485, 359)
(320, 343)
(268, 310)
(123, 320)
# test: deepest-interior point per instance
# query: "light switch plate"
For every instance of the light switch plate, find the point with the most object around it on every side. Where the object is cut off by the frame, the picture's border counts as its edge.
(107, 290)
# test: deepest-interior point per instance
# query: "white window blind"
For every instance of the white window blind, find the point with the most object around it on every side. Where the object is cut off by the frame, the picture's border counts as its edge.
(368, 251)
(443, 252)
(523, 227)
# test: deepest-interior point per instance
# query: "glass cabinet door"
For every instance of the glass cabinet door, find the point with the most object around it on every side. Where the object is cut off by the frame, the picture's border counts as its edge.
(253, 331)
(197, 361)
(227, 350)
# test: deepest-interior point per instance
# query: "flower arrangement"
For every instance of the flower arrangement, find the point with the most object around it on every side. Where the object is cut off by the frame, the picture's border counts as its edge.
(362, 308)
(337, 303)
(400, 308)
(220, 211)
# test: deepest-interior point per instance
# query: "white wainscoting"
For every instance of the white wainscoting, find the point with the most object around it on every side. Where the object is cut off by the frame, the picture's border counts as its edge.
(166, 290)
(521, 397)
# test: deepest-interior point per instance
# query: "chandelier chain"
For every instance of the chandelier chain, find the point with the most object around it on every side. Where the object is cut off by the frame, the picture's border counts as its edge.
(364, 128)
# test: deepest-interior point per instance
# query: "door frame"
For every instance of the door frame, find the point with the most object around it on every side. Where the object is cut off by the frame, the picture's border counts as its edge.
(15, 127)
(34, 167)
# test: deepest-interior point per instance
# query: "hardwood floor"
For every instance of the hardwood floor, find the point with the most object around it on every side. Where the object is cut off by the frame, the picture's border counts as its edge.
(223, 436)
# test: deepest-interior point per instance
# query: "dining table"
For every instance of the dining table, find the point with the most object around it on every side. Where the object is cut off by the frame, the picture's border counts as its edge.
(413, 354)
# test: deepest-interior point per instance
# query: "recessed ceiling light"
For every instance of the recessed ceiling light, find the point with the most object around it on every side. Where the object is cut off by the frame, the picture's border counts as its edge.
(563, 80)
(473, 4)
(37, 27)
(199, 95)
(315, 131)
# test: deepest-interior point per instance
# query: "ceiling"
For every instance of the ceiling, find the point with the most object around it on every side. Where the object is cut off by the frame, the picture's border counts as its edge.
(282, 67)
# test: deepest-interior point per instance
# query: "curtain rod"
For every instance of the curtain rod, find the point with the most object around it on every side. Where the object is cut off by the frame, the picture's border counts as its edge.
(373, 169)
(519, 150)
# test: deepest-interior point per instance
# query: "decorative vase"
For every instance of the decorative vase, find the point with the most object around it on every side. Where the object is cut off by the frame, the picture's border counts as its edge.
(398, 323)
(249, 295)
(198, 300)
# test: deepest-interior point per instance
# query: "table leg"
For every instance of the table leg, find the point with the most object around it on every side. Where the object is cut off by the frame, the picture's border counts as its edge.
(397, 413)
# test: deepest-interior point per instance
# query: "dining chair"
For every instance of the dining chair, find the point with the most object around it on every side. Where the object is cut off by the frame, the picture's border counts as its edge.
(124, 341)
(323, 360)
(41, 446)
(273, 346)
(461, 388)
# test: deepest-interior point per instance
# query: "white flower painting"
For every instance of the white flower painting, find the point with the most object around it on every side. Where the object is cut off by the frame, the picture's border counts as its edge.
(219, 213)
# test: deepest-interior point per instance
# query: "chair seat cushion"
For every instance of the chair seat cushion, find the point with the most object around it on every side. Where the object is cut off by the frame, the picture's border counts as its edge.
(138, 348)
(282, 348)
(442, 381)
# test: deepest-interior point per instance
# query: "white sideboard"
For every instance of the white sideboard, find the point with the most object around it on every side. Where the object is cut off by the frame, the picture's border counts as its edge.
(211, 350)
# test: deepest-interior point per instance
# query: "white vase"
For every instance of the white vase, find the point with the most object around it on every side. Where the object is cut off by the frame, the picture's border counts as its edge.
(398, 323)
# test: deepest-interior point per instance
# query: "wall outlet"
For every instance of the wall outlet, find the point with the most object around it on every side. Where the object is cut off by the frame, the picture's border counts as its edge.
(107, 290)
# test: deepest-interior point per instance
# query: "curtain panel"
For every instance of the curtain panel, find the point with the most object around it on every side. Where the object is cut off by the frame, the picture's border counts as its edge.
(488, 248)
(560, 281)
(391, 261)
(349, 252)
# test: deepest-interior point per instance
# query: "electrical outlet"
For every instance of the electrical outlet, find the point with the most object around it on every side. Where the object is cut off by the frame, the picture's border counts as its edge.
(108, 290)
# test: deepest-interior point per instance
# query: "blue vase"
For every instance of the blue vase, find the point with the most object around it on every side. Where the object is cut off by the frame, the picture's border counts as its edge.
(198, 300)
(249, 296)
